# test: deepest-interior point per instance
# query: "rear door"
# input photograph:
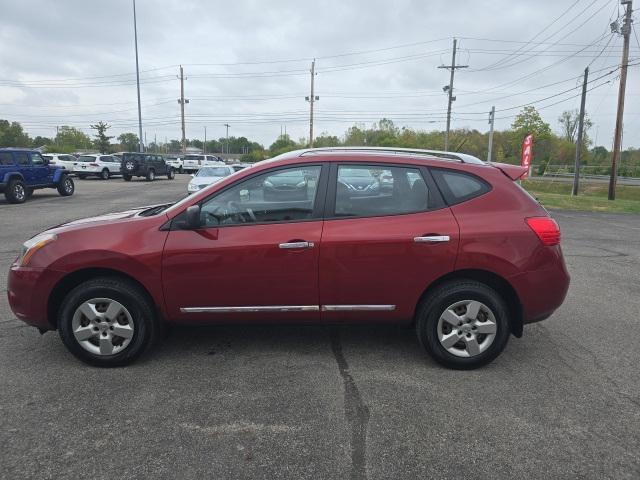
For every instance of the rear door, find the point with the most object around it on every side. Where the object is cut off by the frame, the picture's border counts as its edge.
(254, 259)
(387, 236)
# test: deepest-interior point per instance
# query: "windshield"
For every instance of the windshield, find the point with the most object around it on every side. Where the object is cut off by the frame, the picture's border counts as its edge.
(193, 157)
(212, 172)
(86, 158)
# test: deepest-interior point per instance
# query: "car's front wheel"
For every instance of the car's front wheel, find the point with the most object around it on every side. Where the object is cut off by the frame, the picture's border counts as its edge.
(107, 322)
(463, 324)
(171, 174)
(104, 175)
(151, 175)
(65, 186)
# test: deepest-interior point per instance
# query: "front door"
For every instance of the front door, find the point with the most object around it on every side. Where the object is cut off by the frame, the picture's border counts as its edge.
(42, 174)
(255, 259)
(387, 236)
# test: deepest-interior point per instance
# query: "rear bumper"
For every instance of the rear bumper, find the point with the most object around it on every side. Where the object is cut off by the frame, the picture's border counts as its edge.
(28, 292)
(87, 170)
(542, 291)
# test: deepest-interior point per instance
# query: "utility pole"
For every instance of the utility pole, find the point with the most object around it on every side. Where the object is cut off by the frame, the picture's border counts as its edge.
(617, 142)
(576, 173)
(449, 90)
(492, 117)
(135, 36)
(204, 145)
(227, 125)
(182, 101)
(311, 99)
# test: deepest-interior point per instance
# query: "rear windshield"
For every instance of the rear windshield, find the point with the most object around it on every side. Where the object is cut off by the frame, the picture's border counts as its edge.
(86, 158)
(194, 157)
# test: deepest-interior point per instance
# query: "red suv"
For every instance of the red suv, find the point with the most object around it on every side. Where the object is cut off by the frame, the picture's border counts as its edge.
(444, 242)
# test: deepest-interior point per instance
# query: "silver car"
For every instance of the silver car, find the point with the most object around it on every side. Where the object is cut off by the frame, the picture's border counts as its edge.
(207, 176)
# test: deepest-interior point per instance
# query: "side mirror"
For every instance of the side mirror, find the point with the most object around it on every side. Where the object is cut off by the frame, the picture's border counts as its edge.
(193, 217)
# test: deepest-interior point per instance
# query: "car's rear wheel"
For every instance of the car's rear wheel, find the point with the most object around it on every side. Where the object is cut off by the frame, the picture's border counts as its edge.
(127, 178)
(29, 192)
(104, 175)
(82, 176)
(463, 324)
(16, 191)
(65, 186)
(151, 175)
(171, 174)
(107, 322)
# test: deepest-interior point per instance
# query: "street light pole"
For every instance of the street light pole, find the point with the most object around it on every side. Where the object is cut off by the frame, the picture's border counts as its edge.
(227, 125)
(135, 36)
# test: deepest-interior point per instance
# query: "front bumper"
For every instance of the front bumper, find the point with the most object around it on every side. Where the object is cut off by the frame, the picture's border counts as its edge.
(28, 291)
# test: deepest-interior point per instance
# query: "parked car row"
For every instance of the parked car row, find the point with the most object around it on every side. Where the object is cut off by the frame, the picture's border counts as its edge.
(22, 170)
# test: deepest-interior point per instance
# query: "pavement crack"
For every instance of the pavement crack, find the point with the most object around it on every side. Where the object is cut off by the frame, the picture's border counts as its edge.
(356, 412)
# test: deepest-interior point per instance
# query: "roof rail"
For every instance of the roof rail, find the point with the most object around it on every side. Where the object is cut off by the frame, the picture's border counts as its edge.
(461, 157)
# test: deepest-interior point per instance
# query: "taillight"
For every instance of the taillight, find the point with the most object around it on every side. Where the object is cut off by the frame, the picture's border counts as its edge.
(546, 228)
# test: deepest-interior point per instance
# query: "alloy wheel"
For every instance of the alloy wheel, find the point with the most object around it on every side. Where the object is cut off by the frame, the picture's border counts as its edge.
(19, 192)
(467, 328)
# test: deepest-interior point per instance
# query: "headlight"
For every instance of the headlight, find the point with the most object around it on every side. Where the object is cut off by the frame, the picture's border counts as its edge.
(31, 246)
(301, 184)
(193, 187)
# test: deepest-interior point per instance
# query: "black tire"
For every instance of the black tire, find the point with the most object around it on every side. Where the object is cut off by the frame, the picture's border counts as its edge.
(82, 176)
(432, 308)
(171, 174)
(128, 294)
(104, 174)
(180, 170)
(127, 178)
(65, 186)
(16, 191)
(151, 175)
(29, 192)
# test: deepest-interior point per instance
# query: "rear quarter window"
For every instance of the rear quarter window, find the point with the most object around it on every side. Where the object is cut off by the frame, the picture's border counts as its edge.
(6, 158)
(457, 187)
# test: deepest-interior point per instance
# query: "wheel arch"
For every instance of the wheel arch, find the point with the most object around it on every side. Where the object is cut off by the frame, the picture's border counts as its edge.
(12, 175)
(73, 279)
(491, 279)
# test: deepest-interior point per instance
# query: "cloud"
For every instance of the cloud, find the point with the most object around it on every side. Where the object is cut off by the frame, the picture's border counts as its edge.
(72, 62)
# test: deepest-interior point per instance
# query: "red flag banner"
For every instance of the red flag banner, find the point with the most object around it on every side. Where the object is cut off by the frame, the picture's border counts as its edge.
(527, 153)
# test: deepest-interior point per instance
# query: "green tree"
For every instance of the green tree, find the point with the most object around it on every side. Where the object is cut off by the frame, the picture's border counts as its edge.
(12, 135)
(282, 144)
(70, 138)
(102, 142)
(129, 142)
(529, 121)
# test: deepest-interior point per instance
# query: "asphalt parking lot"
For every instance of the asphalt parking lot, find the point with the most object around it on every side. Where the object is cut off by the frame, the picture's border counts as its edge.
(330, 402)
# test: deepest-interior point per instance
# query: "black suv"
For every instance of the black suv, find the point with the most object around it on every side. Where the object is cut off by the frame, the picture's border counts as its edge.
(144, 165)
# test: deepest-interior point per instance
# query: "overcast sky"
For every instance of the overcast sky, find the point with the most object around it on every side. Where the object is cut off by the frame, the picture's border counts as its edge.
(247, 63)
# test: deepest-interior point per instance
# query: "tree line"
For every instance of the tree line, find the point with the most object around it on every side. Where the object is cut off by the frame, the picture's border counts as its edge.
(551, 148)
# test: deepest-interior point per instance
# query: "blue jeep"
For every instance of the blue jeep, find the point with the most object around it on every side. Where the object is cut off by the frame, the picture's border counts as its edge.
(22, 171)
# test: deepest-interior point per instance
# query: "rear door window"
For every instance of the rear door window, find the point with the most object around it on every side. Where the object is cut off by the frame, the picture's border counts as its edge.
(457, 187)
(23, 158)
(377, 190)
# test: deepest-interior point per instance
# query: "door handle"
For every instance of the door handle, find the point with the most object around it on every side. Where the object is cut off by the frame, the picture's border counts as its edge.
(431, 239)
(296, 245)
